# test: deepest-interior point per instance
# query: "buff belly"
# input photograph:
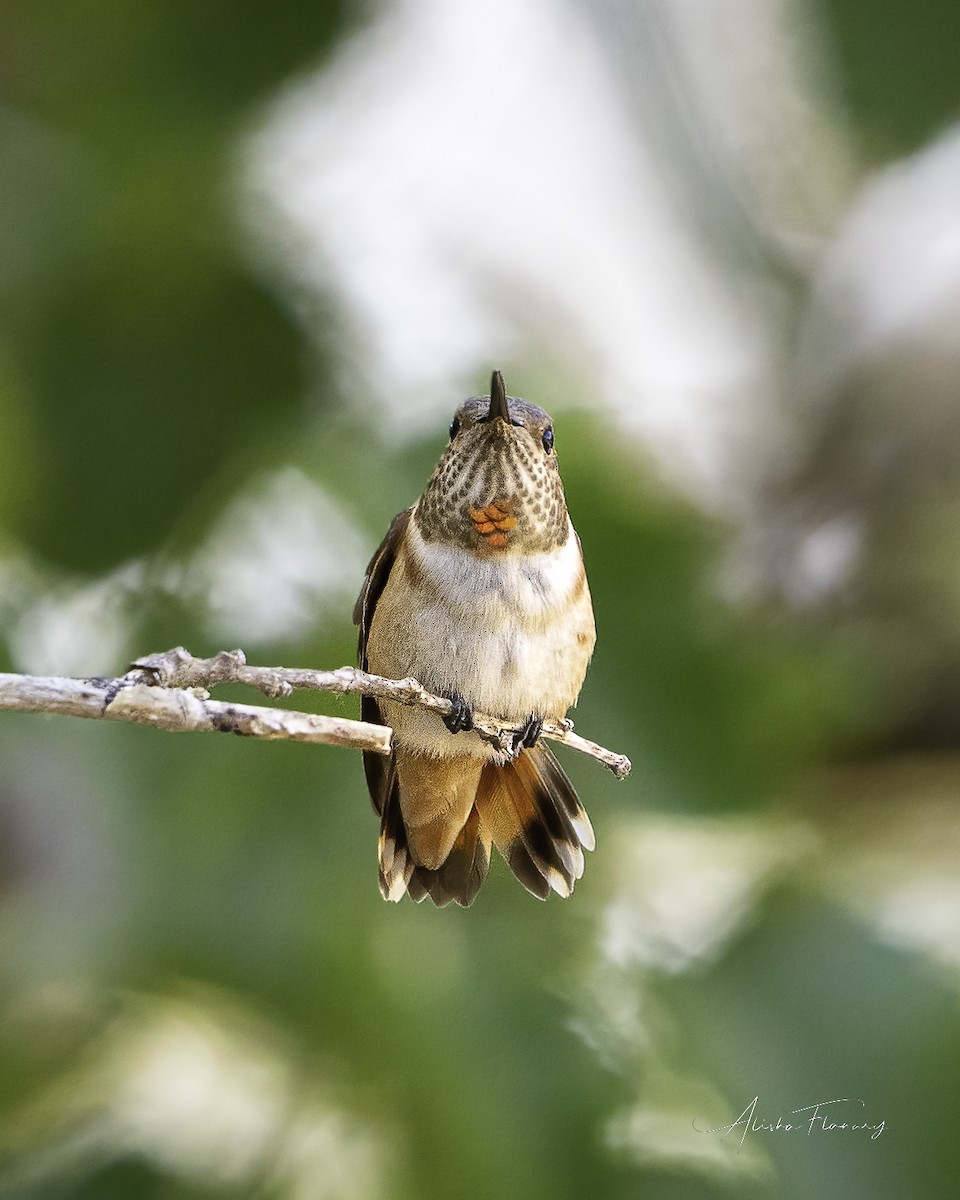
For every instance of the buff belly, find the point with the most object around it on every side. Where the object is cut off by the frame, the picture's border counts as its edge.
(511, 634)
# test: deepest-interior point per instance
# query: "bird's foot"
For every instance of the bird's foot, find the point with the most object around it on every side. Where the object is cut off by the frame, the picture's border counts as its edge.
(460, 717)
(528, 734)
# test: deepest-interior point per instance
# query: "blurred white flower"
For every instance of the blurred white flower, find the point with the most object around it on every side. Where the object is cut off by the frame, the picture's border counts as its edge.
(659, 1133)
(77, 627)
(473, 183)
(875, 454)
(278, 554)
(894, 855)
(921, 914)
(684, 888)
(208, 1092)
(892, 275)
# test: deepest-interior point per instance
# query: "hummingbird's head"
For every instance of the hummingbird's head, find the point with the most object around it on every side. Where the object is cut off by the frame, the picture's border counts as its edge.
(497, 487)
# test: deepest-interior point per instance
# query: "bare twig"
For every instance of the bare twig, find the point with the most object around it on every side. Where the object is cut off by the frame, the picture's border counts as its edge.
(182, 710)
(170, 690)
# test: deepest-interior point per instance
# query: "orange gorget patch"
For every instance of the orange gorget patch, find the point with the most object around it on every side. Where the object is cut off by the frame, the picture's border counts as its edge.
(494, 522)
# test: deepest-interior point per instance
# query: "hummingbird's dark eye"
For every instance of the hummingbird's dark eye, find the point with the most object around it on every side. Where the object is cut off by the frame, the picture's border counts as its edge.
(454, 428)
(547, 438)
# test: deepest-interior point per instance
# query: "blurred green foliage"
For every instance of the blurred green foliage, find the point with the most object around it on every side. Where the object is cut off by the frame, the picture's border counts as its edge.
(221, 896)
(143, 350)
(898, 69)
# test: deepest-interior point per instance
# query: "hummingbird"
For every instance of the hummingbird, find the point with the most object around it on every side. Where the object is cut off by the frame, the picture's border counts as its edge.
(479, 592)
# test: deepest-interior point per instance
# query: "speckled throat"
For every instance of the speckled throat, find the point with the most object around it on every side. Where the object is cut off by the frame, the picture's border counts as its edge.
(494, 490)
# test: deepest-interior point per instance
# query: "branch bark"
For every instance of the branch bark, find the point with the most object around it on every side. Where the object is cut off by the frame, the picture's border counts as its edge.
(171, 691)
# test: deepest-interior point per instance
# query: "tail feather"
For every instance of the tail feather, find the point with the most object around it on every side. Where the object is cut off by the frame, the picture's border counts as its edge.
(568, 807)
(417, 888)
(536, 821)
(460, 877)
(525, 826)
(521, 863)
(396, 863)
(527, 808)
(436, 847)
(436, 799)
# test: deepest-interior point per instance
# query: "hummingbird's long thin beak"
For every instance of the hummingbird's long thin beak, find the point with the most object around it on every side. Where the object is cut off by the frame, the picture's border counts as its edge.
(498, 398)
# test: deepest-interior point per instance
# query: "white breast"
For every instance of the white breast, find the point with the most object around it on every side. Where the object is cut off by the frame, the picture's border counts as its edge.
(524, 589)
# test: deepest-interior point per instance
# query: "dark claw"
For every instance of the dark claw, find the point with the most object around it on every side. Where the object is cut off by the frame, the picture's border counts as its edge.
(460, 718)
(528, 734)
